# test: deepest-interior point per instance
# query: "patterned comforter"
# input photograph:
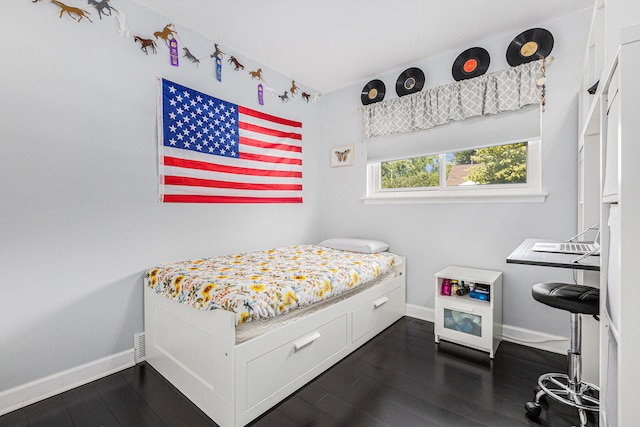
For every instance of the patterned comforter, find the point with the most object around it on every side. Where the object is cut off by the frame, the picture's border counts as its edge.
(261, 285)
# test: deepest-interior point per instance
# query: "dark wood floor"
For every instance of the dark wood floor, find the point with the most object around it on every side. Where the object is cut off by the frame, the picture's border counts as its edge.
(400, 378)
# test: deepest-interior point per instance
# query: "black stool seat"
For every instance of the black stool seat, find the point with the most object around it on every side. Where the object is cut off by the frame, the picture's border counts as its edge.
(574, 298)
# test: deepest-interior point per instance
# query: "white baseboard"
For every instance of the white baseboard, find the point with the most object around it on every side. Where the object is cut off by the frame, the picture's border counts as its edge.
(40, 389)
(419, 312)
(535, 339)
(528, 337)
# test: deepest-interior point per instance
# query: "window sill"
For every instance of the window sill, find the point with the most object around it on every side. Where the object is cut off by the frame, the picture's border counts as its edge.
(489, 197)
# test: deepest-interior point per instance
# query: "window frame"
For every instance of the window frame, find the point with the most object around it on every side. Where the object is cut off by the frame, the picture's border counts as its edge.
(529, 192)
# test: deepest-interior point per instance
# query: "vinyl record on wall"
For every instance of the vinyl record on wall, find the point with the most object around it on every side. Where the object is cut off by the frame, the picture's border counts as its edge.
(372, 92)
(530, 45)
(471, 63)
(410, 81)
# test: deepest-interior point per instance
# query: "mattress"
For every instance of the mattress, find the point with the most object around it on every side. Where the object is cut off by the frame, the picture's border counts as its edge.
(266, 284)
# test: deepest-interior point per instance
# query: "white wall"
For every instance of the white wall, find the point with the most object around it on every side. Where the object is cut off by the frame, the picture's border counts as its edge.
(434, 236)
(79, 217)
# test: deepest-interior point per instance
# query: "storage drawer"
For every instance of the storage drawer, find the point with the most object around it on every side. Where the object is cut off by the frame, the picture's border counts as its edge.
(277, 368)
(469, 324)
(375, 312)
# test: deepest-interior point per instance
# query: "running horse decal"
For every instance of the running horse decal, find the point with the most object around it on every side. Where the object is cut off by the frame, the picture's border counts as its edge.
(103, 6)
(294, 89)
(284, 97)
(166, 34)
(70, 10)
(145, 43)
(256, 74)
(217, 53)
(191, 57)
(236, 63)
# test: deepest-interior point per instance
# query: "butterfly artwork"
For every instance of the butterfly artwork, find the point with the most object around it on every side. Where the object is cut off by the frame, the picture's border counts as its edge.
(342, 156)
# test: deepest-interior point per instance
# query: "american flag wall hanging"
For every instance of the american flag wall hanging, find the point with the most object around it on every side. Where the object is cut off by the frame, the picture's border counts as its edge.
(214, 151)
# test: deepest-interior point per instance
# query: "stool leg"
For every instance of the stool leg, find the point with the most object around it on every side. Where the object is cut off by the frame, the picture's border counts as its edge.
(574, 359)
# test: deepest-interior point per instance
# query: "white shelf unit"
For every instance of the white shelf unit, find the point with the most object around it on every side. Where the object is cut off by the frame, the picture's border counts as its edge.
(620, 210)
(609, 121)
(468, 321)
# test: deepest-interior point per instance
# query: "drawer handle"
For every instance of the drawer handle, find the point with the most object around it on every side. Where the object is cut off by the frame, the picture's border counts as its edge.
(306, 341)
(379, 302)
(458, 308)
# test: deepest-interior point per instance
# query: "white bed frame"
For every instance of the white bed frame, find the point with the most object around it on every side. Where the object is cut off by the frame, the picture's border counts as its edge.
(233, 384)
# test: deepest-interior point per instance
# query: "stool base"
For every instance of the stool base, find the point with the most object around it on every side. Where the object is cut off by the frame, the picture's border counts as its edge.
(583, 396)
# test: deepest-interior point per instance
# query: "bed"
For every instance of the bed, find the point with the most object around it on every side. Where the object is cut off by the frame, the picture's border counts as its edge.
(236, 358)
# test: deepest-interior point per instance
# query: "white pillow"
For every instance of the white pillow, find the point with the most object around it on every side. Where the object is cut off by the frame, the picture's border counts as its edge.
(365, 246)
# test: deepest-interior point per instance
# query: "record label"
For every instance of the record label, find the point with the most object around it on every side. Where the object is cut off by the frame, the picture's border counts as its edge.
(410, 81)
(528, 49)
(530, 45)
(471, 63)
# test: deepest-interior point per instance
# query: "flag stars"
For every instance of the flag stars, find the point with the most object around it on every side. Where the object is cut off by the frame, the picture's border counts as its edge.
(199, 147)
(187, 144)
(199, 98)
(172, 102)
(172, 89)
(186, 94)
(172, 115)
(172, 141)
(232, 109)
(179, 98)
(192, 127)
(172, 128)
(179, 110)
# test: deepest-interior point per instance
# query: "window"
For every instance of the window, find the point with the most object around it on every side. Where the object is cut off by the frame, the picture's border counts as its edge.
(490, 173)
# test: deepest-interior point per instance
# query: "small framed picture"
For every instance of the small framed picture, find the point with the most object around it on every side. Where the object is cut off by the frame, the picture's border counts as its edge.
(342, 156)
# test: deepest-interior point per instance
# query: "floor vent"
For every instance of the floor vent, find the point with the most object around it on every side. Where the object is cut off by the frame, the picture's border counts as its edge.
(139, 347)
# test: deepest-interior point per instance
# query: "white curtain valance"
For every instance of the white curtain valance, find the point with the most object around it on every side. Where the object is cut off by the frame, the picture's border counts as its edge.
(489, 94)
